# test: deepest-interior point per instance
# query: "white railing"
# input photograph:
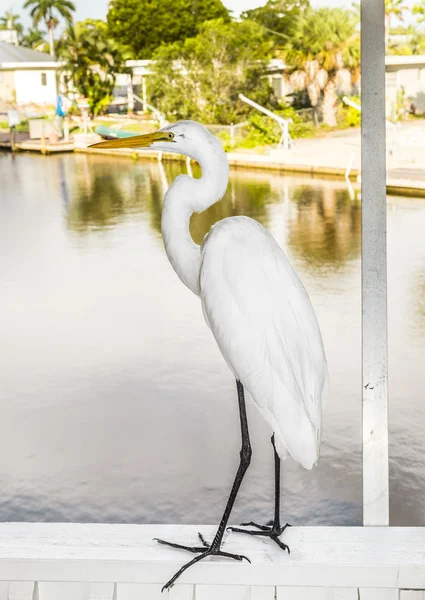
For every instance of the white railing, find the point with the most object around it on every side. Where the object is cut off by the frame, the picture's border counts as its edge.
(233, 131)
(158, 114)
(122, 562)
(285, 139)
(393, 147)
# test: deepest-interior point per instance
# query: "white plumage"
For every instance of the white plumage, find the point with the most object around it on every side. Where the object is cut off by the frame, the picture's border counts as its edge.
(253, 301)
(266, 328)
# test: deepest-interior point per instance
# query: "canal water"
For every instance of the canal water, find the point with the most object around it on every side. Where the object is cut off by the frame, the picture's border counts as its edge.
(115, 403)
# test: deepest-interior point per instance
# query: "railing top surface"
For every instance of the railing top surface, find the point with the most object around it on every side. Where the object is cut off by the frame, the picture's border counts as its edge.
(320, 556)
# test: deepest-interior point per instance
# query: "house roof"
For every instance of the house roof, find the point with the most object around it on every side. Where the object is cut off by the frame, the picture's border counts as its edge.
(23, 57)
(396, 62)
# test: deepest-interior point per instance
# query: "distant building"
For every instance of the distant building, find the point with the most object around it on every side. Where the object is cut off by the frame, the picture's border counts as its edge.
(27, 76)
(9, 35)
(406, 75)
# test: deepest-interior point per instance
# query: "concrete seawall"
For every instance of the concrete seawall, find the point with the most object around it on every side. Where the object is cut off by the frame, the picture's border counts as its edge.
(395, 185)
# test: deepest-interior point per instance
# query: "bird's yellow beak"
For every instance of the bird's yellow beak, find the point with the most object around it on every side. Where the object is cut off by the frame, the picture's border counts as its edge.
(136, 141)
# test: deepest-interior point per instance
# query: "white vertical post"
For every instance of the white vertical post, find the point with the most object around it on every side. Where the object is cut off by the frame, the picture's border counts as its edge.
(130, 97)
(374, 266)
(286, 136)
(144, 95)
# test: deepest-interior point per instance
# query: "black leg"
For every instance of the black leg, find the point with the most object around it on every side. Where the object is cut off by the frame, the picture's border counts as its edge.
(275, 530)
(214, 549)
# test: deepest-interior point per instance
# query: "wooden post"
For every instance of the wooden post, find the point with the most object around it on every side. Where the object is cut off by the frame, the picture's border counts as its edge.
(12, 137)
(374, 266)
(43, 139)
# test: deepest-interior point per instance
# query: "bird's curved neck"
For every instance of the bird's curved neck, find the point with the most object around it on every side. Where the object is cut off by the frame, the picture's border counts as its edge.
(185, 197)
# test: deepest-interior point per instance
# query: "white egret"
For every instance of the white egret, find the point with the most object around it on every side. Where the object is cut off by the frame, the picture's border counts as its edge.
(257, 309)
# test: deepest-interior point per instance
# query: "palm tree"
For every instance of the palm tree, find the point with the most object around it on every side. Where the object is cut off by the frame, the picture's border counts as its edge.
(325, 42)
(11, 21)
(91, 62)
(393, 8)
(34, 39)
(44, 10)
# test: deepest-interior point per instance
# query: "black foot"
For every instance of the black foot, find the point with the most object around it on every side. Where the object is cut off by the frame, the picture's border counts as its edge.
(272, 532)
(193, 549)
(204, 551)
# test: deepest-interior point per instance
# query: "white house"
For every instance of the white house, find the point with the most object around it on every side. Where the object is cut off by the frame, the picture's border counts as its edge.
(405, 73)
(27, 76)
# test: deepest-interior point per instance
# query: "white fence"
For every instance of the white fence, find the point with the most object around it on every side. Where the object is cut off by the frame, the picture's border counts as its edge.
(122, 562)
(231, 133)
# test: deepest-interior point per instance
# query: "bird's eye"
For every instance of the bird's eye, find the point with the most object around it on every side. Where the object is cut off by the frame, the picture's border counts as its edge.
(171, 135)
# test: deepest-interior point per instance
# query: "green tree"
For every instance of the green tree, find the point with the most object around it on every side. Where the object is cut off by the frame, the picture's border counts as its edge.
(393, 8)
(92, 62)
(325, 42)
(144, 25)
(12, 21)
(417, 43)
(201, 77)
(34, 39)
(278, 17)
(418, 9)
(48, 11)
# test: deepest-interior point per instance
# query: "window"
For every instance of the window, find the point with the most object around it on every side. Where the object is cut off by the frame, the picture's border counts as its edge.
(43, 79)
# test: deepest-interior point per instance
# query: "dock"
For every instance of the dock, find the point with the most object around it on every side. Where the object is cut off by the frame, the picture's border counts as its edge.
(44, 147)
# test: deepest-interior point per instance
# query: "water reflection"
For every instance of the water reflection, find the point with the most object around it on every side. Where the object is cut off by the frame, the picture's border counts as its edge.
(325, 226)
(102, 195)
(418, 294)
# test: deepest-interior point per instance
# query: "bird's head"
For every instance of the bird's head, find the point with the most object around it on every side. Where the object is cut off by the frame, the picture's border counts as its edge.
(184, 137)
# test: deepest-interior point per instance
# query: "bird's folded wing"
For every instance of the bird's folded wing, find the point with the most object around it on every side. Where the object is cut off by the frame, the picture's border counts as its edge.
(267, 331)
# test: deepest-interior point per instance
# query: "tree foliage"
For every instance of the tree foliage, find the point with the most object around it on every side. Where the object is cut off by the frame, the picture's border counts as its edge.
(325, 42)
(328, 35)
(12, 21)
(144, 25)
(418, 9)
(92, 62)
(48, 11)
(34, 39)
(202, 77)
(278, 17)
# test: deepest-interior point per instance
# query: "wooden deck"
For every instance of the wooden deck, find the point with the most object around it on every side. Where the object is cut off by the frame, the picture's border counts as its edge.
(22, 142)
(45, 147)
(50, 561)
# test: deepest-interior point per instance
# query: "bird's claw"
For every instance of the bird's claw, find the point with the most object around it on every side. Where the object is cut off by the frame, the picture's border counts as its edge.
(193, 549)
(253, 524)
(211, 551)
(203, 540)
(272, 532)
